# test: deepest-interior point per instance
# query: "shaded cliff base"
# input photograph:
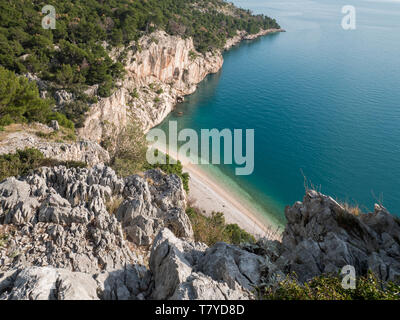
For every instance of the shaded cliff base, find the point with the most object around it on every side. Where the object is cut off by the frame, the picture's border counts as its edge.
(87, 234)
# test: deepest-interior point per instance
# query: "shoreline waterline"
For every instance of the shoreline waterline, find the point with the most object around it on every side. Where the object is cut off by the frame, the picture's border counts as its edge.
(209, 193)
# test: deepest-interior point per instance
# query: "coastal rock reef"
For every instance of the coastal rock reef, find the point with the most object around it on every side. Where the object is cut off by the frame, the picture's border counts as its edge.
(86, 234)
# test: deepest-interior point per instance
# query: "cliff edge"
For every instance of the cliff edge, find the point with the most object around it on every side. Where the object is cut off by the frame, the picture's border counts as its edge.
(87, 234)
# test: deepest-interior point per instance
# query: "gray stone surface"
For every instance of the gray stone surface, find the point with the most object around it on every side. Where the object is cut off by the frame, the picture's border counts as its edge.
(192, 273)
(322, 236)
(63, 243)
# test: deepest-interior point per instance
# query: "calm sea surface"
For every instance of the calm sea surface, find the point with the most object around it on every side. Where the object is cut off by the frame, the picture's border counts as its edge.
(322, 100)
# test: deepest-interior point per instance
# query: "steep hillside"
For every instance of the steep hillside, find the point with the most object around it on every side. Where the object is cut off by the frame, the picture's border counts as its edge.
(87, 234)
(76, 55)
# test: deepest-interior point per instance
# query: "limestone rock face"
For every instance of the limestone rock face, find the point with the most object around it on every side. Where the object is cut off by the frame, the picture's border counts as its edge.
(61, 220)
(87, 234)
(48, 283)
(58, 219)
(152, 203)
(160, 68)
(84, 150)
(230, 264)
(322, 236)
(62, 97)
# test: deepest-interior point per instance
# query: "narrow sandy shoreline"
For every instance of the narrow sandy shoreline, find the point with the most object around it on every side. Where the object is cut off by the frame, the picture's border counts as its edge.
(208, 195)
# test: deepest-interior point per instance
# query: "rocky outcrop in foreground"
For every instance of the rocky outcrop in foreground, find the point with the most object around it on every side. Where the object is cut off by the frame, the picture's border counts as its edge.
(85, 151)
(321, 236)
(87, 234)
(160, 70)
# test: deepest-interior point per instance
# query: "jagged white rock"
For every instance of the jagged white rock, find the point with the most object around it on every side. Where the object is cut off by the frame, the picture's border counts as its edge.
(322, 237)
(83, 150)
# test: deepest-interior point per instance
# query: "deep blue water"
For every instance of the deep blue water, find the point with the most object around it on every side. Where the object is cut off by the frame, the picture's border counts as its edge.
(322, 100)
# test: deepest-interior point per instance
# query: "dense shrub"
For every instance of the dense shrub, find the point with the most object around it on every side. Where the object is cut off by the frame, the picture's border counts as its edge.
(329, 287)
(213, 229)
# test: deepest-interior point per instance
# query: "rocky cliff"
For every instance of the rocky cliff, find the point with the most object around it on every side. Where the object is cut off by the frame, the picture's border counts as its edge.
(86, 234)
(160, 70)
(28, 136)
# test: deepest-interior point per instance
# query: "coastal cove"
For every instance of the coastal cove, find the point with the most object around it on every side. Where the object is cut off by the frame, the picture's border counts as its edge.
(297, 114)
(316, 108)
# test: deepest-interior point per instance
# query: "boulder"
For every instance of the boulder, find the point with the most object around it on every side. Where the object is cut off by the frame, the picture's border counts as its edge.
(322, 237)
(45, 283)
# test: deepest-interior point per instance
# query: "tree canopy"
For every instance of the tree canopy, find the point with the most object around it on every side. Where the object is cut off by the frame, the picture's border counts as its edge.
(75, 54)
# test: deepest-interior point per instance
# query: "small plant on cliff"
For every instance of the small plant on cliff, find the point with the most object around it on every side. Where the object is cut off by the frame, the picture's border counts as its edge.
(134, 93)
(4, 238)
(171, 168)
(127, 150)
(113, 204)
(192, 55)
(329, 287)
(213, 229)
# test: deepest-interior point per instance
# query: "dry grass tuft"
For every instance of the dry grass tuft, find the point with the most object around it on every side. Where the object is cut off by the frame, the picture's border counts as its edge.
(113, 204)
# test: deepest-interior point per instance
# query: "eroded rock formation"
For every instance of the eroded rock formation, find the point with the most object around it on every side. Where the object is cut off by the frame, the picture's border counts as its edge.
(85, 151)
(87, 234)
(160, 70)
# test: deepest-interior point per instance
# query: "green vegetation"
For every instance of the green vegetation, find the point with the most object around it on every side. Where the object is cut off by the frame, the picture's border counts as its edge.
(171, 168)
(75, 55)
(127, 149)
(213, 229)
(72, 54)
(61, 135)
(128, 154)
(329, 287)
(20, 102)
(4, 238)
(24, 161)
(192, 55)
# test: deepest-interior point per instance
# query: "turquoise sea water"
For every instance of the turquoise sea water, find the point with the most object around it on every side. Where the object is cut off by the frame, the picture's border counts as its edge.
(322, 100)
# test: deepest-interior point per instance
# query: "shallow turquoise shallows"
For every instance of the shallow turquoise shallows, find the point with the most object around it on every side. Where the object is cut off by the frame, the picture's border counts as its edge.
(322, 100)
